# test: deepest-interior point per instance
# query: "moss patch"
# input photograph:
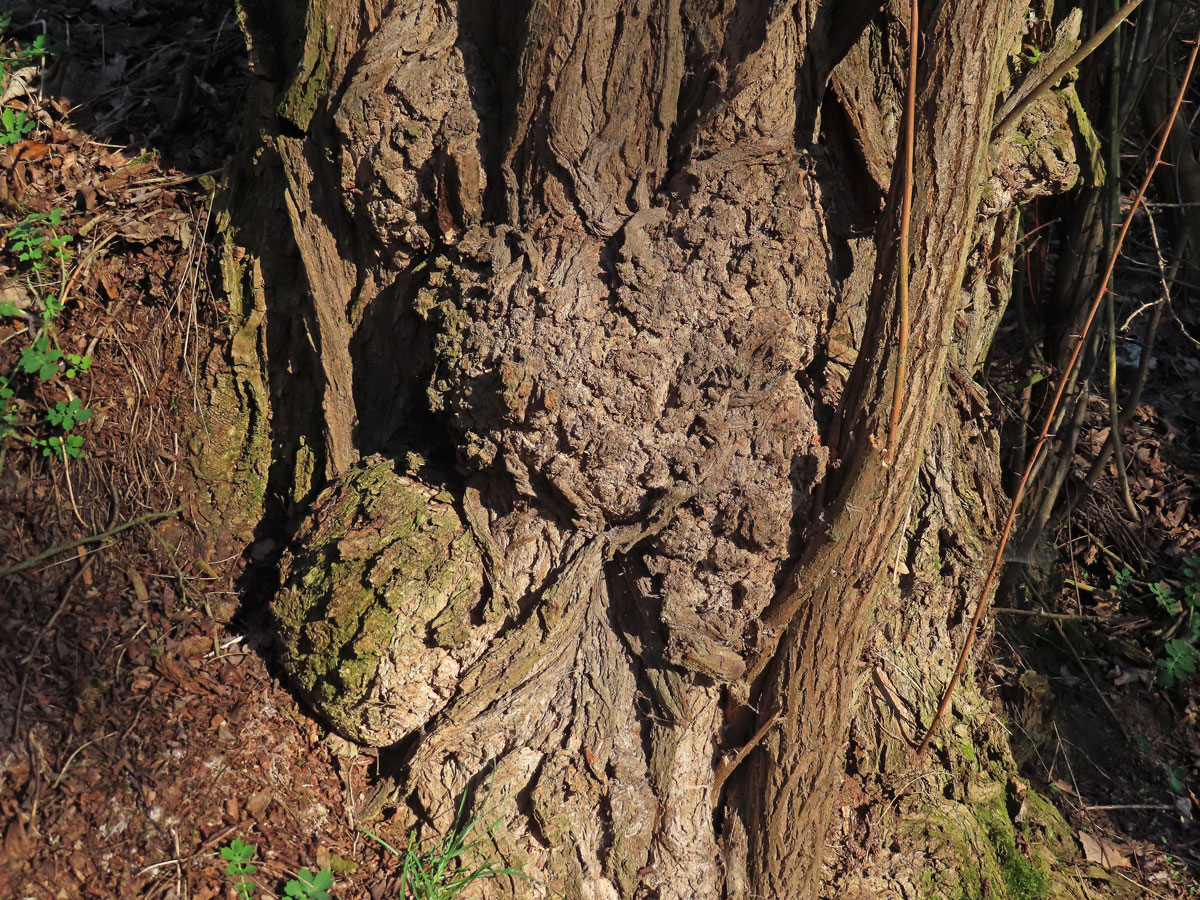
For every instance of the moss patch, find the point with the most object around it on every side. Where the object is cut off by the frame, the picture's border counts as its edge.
(230, 454)
(973, 850)
(378, 589)
(311, 83)
(1025, 878)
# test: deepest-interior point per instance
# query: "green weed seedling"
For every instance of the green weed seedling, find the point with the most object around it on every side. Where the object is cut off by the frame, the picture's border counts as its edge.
(36, 240)
(1176, 777)
(237, 856)
(1191, 575)
(1162, 594)
(39, 242)
(14, 125)
(1180, 600)
(1122, 581)
(14, 57)
(1178, 662)
(1180, 659)
(309, 885)
(442, 870)
(65, 415)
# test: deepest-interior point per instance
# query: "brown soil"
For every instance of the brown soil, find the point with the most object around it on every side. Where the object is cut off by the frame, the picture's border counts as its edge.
(142, 730)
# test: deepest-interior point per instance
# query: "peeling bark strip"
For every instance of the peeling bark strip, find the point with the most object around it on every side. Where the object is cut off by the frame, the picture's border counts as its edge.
(609, 261)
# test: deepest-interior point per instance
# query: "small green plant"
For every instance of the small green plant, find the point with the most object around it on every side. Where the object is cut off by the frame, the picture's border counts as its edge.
(1175, 776)
(309, 885)
(35, 238)
(13, 56)
(14, 125)
(237, 855)
(442, 870)
(1191, 576)
(65, 415)
(1162, 594)
(1179, 599)
(1122, 580)
(1178, 662)
(1180, 659)
(41, 244)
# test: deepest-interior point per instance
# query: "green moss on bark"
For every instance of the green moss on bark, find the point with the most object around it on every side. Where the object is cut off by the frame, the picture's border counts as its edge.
(376, 600)
(985, 848)
(230, 453)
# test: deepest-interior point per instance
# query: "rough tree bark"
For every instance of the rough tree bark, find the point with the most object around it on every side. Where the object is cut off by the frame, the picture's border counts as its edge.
(609, 285)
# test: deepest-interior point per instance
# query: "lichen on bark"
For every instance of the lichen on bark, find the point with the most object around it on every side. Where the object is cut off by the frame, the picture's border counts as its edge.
(374, 615)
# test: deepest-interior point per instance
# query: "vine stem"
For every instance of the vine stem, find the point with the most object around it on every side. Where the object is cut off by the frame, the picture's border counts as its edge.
(1043, 436)
(902, 275)
(1113, 189)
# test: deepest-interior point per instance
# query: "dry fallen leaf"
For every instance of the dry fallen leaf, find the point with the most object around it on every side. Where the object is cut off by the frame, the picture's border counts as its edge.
(258, 802)
(30, 150)
(139, 586)
(18, 295)
(16, 846)
(1098, 849)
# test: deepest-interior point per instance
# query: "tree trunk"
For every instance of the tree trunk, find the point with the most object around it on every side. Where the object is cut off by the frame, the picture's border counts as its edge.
(610, 285)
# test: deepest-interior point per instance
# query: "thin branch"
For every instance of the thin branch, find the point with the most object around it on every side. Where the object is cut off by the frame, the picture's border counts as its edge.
(1161, 806)
(1100, 463)
(1113, 176)
(90, 539)
(726, 769)
(26, 663)
(1061, 617)
(1091, 679)
(902, 275)
(1040, 445)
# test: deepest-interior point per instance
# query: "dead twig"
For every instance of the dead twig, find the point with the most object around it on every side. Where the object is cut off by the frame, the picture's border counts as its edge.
(90, 539)
(1113, 176)
(26, 663)
(1160, 806)
(1088, 674)
(1061, 617)
(727, 768)
(1100, 463)
(67, 765)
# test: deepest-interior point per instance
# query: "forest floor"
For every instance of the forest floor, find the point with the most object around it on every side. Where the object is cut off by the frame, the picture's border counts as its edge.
(143, 725)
